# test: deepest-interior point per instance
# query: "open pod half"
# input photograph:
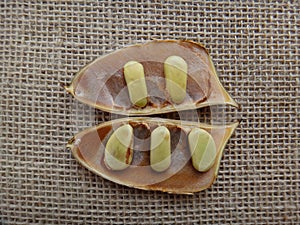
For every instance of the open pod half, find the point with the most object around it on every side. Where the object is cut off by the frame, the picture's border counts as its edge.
(102, 83)
(89, 148)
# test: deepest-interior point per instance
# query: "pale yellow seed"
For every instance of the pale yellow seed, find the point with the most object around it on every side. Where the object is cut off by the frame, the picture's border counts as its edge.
(136, 84)
(160, 149)
(119, 148)
(202, 148)
(175, 69)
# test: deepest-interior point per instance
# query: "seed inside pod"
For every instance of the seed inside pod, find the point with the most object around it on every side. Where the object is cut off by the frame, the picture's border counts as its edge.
(118, 151)
(203, 149)
(175, 69)
(160, 154)
(135, 79)
(102, 84)
(88, 147)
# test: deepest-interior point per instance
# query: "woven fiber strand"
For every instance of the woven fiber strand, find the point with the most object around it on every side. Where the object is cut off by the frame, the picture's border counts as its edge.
(255, 47)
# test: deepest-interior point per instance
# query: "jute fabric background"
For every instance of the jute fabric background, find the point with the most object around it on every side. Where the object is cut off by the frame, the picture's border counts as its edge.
(255, 47)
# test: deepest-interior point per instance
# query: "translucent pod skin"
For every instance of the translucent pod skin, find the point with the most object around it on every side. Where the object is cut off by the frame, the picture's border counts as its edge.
(102, 85)
(180, 177)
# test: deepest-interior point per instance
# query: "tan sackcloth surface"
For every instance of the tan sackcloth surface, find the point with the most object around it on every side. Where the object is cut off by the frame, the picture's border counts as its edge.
(255, 47)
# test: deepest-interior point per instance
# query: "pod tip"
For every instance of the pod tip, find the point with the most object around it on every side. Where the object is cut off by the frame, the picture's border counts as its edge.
(68, 88)
(70, 143)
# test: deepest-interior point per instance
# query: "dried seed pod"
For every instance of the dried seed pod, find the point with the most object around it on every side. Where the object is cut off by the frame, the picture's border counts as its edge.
(88, 147)
(102, 85)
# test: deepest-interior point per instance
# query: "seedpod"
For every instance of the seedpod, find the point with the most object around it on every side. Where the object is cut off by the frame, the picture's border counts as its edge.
(102, 85)
(88, 147)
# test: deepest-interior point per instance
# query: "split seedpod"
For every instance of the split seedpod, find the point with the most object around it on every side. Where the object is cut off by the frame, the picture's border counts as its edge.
(145, 152)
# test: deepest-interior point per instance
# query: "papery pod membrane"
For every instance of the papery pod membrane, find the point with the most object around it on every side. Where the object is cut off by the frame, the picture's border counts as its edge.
(88, 148)
(101, 83)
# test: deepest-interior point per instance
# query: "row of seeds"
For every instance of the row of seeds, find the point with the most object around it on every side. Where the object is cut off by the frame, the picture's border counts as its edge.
(119, 149)
(175, 70)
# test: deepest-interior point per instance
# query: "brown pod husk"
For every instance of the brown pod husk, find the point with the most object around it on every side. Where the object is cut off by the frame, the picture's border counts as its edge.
(88, 147)
(101, 83)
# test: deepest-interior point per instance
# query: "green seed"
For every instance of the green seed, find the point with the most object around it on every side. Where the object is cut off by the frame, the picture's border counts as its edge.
(175, 69)
(119, 148)
(160, 145)
(203, 149)
(136, 84)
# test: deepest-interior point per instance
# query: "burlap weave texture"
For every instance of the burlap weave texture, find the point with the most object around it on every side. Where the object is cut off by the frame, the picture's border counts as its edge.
(255, 47)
